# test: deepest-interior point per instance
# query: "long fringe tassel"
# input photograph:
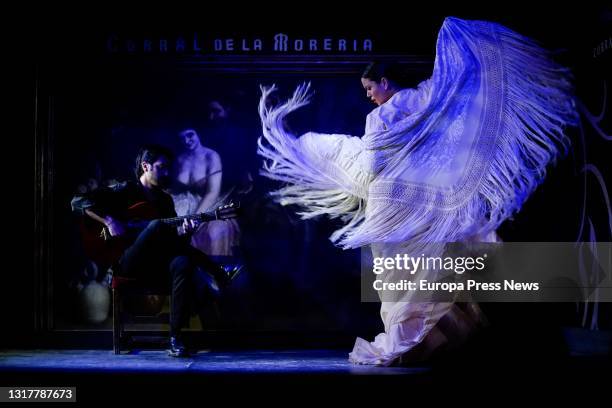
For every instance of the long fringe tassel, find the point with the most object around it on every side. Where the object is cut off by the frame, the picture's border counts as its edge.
(319, 183)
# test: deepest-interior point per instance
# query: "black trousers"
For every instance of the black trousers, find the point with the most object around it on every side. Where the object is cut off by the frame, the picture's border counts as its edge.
(161, 257)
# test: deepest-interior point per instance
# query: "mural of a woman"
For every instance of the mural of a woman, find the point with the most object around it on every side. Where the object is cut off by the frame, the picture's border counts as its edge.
(446, 161)
(197, 189)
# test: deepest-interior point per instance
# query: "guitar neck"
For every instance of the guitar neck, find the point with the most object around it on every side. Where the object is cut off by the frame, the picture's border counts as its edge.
(205, 216)
(220, 213)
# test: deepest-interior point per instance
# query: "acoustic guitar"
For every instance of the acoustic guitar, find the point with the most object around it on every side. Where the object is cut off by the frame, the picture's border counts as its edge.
(105, 250)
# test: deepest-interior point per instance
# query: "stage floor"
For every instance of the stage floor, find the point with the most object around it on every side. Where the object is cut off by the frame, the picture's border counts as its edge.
(204, 362)
(236, 374)
(151, 375)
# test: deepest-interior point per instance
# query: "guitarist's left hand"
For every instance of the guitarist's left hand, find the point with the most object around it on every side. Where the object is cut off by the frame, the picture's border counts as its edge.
(189, 226)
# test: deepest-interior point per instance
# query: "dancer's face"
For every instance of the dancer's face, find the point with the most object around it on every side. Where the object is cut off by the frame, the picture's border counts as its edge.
(377, 92)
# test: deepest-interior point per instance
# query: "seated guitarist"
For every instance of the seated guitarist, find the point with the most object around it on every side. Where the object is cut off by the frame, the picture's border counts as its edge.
(158, 251)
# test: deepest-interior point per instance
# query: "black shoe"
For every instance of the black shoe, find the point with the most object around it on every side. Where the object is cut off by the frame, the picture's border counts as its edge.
(227, 273)
(232, 271)
(177, 348)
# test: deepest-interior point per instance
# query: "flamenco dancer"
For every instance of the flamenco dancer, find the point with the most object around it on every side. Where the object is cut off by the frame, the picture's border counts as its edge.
(447, 161)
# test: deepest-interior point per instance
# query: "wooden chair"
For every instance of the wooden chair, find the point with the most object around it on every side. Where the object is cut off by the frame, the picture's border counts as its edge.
(123, 287)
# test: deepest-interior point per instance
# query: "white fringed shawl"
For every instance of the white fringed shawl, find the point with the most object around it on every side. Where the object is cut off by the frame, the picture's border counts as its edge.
(472, 144)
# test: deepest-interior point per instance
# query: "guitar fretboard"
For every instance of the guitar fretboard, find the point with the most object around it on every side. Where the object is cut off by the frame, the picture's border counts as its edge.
(206, 216)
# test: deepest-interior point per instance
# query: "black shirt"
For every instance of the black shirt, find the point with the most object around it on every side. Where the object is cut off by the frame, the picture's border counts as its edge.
(116, 199)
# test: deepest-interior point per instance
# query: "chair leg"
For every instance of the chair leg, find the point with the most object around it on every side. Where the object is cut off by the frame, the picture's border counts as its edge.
(117, 325)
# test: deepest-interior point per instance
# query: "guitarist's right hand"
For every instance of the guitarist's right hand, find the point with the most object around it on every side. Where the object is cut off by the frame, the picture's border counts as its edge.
(115, 228)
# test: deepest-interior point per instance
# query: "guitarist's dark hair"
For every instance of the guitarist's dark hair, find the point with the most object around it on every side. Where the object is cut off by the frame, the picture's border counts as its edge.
(150, 154)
